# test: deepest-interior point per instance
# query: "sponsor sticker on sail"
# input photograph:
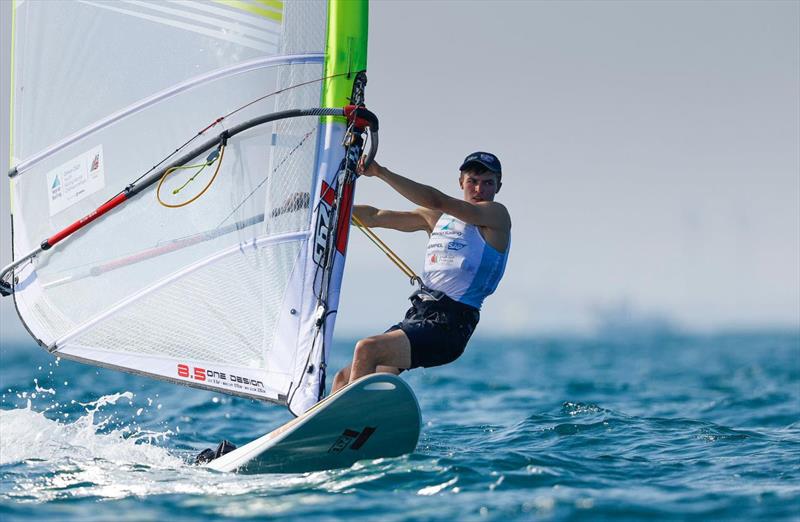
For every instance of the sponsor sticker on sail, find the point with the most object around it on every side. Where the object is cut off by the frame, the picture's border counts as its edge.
(75, 180)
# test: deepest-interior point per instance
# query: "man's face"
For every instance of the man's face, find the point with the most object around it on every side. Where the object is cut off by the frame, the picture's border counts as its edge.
(478, 187)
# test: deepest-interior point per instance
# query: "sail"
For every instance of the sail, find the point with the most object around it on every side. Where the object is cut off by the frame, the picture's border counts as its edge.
(225, 274)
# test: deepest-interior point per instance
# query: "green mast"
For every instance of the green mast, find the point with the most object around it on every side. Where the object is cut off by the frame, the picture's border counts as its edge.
(345, 49)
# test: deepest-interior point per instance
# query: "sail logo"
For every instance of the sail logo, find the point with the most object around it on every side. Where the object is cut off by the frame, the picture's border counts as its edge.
(322, 231)
(55, 188)
(324, 225)
(219, 378)
(75, 180)
(95, 163)
(351, 439)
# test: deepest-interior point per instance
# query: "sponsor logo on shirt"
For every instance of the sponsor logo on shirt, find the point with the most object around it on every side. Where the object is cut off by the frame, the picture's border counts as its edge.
(442, 259)
(446, 234)
(447, 226)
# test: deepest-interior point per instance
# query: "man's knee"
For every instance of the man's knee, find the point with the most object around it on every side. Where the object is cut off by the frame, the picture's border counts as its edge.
(344, 373)
(365, 351)
(341, 379)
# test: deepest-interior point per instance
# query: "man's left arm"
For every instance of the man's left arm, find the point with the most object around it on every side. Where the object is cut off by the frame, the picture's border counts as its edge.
(488, 214)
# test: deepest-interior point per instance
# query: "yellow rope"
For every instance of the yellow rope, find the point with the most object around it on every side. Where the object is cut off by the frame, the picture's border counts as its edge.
(386, 250)
(202, 166)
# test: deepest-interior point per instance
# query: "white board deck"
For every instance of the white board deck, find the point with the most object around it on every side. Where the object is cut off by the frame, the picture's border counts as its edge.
(374, 417)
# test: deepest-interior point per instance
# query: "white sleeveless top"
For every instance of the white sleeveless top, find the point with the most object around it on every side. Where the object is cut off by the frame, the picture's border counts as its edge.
(460, 263)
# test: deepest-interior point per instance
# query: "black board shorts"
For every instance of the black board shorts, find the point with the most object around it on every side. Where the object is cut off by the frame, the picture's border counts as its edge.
(437, 327)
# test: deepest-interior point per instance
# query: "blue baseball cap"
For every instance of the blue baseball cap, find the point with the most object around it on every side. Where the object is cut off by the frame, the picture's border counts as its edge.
(486, 159)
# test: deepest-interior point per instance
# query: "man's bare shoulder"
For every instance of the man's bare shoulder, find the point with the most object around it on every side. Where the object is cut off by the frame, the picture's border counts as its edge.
(502, 209)
(496, 206)
(498, 211)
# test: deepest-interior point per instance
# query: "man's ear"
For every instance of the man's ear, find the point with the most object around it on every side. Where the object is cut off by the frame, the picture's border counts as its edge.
(499, 184)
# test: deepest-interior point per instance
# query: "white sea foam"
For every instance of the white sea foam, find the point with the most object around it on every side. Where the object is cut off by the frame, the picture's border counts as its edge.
(26, 435)
(39, 389)
(82, 458)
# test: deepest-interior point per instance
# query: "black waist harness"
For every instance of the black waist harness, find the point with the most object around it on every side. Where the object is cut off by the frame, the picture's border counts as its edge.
(425, 298)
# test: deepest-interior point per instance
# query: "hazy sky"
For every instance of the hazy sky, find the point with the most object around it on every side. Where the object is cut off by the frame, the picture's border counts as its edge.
(650, 153)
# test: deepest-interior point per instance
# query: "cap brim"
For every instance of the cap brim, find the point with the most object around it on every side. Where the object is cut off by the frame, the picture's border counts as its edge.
(479, 162)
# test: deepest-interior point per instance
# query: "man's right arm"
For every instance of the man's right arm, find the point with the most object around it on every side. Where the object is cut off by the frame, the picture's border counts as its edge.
(403, 221)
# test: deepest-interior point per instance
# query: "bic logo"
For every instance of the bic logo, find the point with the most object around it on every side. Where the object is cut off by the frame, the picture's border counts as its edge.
(353, 439)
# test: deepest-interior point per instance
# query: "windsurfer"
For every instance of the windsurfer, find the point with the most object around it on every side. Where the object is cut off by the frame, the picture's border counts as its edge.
(468, 246)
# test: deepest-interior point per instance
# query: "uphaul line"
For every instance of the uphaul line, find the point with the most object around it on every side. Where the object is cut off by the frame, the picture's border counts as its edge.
(359, 117)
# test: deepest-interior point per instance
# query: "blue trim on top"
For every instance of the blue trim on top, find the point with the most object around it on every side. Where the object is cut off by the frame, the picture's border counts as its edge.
(487, 277)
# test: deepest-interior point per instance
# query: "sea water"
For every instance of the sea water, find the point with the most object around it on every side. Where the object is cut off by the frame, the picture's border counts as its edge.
(622, 426)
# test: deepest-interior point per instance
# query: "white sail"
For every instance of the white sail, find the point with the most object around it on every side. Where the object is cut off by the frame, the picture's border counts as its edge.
(226, 291)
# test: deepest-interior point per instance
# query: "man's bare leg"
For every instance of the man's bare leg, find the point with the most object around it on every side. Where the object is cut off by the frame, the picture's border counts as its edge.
(342, 378)
(391, 350)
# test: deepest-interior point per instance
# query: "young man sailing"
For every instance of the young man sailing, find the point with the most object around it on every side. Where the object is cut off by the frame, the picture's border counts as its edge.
(465, 260)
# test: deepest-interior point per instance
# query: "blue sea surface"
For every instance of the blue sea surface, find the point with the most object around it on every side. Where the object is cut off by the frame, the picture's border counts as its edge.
(660, 426)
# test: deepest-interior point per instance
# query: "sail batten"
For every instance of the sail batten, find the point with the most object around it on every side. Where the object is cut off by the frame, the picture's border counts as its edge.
(113, 309)
(270, 61)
